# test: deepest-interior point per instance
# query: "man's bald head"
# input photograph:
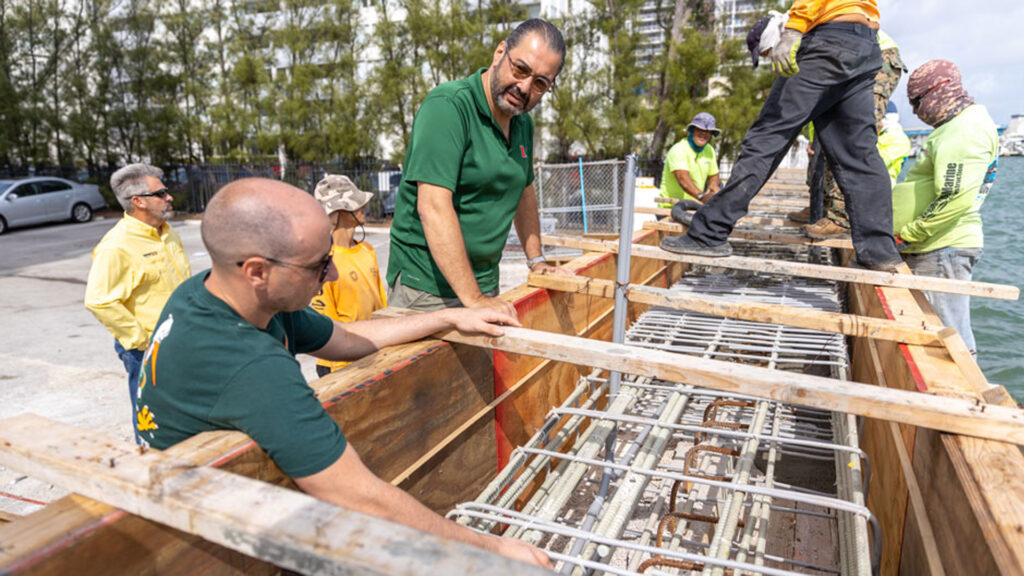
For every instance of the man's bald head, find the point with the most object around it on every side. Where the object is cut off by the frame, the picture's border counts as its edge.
(261, 217)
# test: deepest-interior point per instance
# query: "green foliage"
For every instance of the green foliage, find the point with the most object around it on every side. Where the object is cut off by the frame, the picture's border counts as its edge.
(107, 81)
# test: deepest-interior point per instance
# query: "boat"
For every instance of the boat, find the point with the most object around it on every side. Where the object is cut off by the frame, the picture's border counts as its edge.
(736, 444)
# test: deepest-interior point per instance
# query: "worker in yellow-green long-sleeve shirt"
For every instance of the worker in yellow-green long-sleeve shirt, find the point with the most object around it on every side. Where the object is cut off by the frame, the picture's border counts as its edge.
(936, 210)
(827, 56)
(136, 266)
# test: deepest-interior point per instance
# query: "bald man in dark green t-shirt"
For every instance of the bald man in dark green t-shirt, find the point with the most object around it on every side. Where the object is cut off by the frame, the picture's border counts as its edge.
(223, 354)
(468, 174)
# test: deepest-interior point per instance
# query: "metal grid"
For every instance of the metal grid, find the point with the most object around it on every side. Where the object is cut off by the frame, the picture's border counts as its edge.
(699, 481)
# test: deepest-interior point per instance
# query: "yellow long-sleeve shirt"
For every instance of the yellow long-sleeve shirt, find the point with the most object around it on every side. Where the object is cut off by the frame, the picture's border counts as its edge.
(357, 292)
(135, 267)
(804, 15)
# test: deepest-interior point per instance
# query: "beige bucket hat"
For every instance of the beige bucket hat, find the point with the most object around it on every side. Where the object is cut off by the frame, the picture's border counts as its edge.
(336, 192)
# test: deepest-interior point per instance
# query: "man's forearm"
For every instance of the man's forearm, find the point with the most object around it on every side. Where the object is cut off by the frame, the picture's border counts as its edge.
(353, 340)
(445, 241)
(349, 483)
(687, 183)
(527, 222)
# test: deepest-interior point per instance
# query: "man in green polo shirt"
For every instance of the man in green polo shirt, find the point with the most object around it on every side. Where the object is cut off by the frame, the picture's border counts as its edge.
(468, 174)
(691, 168)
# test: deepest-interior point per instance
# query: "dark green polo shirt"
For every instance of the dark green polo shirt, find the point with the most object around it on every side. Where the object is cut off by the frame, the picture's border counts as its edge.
(457, 144)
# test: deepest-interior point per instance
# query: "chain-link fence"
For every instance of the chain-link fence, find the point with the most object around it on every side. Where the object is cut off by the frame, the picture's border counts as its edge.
(581, 197)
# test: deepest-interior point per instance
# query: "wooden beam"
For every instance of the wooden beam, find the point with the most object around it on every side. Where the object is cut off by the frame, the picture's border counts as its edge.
(913, 408)
(848, 324)
(759, 236)
(779, 202)
(837, 273)
(748, 221)
(288, 528)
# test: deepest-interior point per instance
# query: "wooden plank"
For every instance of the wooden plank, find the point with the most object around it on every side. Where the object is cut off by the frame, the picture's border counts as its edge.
(748, 221)
(934, 412)
(289, 528)
(780, 203)
(973, 488)
(759, 236)
(80, 534)
(924, 556)
(6, 516)
(848, 324)
(837, 273)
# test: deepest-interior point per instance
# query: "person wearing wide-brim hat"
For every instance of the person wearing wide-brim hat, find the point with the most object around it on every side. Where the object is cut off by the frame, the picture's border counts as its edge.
(358, 291)
(691, 167)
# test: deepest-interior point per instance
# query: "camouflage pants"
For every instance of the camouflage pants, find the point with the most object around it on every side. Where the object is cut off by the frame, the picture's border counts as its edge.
(885, 83)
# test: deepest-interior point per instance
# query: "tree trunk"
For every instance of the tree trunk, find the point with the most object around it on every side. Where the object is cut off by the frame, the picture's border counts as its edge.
(680, 15)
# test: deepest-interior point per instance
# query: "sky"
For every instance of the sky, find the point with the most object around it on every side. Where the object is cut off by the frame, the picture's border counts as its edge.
(985, 38)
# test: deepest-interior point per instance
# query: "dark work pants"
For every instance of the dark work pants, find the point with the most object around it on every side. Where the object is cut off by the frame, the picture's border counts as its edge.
(834, 89)
(816, 183)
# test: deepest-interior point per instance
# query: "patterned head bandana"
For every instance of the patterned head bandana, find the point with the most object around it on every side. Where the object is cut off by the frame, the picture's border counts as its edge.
(936, 92)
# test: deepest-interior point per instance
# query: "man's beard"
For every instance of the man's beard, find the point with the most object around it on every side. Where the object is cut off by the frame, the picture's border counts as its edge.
(499, 97)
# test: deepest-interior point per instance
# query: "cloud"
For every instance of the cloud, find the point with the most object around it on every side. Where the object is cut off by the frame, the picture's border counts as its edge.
(982, 37)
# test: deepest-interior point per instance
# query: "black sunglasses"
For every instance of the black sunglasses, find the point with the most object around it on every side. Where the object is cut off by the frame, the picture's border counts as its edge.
(160, 192)
(323, 266)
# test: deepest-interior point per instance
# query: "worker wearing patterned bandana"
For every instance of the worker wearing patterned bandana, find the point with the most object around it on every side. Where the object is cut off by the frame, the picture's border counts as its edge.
(936, 211)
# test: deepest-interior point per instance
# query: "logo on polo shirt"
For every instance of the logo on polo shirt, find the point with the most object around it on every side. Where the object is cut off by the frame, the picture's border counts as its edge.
(523, 150)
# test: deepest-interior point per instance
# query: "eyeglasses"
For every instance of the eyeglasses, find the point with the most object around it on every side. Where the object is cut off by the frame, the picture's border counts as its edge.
(916, 100)
(161, 192)
(323, 266)
(539, 84)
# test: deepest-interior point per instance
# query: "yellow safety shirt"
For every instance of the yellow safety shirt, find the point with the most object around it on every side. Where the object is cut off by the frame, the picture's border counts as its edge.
(357, 292)
(135, 268)
(804, 15)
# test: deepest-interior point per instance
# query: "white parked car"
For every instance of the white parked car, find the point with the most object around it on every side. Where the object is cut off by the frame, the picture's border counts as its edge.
(34, 200)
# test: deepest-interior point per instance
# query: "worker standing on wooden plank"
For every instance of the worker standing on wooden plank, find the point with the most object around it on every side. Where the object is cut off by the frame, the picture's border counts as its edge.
(835, 223)
(358, 291)
(223, 354)
(468, 174)
(691, 168)
(136, 266)
(827, 57)
(937, 210)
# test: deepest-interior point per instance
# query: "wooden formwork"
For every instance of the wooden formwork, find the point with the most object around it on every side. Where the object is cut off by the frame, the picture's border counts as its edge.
(947, 503)
(394, 406)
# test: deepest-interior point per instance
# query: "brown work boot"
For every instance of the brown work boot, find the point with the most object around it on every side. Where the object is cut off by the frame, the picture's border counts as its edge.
(824, 229)
(801, 216)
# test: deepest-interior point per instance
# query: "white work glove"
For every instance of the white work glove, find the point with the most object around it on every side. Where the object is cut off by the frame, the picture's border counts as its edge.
(783, 55)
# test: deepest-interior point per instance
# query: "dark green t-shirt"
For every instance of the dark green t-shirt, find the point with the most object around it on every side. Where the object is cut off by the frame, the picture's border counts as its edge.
(207, 368)
(457, 144)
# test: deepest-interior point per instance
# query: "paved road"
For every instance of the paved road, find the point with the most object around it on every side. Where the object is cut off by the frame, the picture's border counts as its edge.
(27, 246)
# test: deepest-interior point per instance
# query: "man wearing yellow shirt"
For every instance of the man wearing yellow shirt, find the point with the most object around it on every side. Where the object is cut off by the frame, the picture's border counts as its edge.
(691, 168)
(358, 291)
(827, 59)
(136, 266)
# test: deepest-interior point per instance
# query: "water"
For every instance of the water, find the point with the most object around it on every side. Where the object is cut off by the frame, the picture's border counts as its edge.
(999, 324)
